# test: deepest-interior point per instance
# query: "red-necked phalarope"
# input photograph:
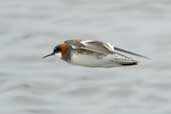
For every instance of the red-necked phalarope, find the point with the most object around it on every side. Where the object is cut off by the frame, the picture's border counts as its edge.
(93, 53)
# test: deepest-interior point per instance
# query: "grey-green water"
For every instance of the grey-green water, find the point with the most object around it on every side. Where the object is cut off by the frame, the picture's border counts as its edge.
(30, 28)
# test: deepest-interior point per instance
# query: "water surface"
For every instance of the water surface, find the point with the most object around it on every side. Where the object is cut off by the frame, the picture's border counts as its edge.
(30, 29)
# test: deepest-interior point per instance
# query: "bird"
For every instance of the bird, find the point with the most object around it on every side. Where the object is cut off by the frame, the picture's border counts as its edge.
(93, 53)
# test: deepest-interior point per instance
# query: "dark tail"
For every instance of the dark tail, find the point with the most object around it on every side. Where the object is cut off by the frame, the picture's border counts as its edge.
(129, 64)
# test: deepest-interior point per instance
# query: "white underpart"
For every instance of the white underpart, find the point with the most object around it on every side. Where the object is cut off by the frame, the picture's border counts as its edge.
(110, 60)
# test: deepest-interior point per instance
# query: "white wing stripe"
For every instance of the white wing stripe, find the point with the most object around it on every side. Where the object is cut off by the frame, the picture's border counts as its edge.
(109, 46)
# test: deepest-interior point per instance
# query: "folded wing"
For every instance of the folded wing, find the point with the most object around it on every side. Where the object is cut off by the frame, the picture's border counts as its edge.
(92, 45)
(129, 52)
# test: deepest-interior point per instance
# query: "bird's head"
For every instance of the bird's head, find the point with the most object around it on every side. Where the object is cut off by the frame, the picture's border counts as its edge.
(56, 51)
(59, 50)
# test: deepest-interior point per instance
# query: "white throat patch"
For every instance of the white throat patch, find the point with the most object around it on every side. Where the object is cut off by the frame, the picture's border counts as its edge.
(58, 54)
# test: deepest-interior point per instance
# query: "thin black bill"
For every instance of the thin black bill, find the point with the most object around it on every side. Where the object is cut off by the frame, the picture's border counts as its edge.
(48, 55)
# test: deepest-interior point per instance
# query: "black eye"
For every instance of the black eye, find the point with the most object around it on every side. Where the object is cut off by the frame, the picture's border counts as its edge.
(56, 49)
